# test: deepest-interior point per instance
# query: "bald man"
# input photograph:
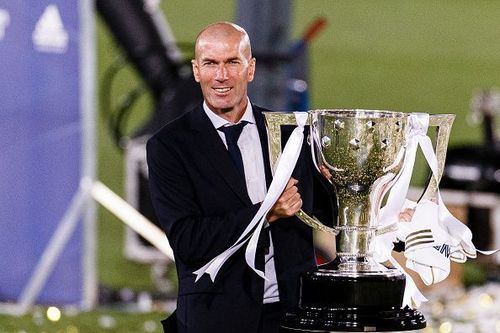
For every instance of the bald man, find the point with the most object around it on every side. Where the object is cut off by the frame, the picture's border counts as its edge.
(204, 198)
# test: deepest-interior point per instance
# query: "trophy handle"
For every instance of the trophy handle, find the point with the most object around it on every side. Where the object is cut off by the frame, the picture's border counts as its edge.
(443, 123)
(274, 121)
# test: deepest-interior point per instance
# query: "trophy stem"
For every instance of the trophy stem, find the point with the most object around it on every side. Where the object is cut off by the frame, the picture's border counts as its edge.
(355, 231)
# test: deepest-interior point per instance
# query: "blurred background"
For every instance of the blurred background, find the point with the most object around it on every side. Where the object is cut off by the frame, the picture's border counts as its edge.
(400, 55)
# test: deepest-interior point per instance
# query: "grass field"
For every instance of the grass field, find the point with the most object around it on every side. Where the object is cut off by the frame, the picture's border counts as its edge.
(399, 55)
(109, 321)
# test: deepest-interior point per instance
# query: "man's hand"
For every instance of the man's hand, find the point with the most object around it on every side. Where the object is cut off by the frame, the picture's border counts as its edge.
(407, 214)
(287, 204)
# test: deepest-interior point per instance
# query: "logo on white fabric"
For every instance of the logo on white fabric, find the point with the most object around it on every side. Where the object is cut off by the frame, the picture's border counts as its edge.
(419, 238)
(444, 249)
(49, 34)
(4, 22)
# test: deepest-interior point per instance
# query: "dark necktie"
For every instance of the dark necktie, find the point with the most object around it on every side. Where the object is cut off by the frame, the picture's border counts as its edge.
(232, 134)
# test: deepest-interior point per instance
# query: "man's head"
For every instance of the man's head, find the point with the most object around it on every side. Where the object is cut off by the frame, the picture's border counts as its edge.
(223, 65)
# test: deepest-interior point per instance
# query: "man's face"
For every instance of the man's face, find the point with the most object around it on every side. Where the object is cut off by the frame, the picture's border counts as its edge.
(223, 68)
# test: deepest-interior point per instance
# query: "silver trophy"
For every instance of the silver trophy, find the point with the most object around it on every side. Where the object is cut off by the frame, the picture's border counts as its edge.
(360, 153)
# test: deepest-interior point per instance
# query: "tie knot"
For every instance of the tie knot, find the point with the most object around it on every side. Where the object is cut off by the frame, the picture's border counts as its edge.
(233, 132)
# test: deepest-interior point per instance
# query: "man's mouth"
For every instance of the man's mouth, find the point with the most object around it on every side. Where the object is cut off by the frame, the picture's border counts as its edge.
(222, 90)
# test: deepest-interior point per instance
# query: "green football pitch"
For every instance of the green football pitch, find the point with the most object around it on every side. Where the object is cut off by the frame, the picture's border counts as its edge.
(411, 56)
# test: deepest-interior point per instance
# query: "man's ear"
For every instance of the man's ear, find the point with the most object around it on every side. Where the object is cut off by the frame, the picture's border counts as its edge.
(251, 69)
(196, 72)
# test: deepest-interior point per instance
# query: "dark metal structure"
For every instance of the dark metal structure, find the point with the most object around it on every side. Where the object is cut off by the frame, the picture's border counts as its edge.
(141, 30)
(477, 167)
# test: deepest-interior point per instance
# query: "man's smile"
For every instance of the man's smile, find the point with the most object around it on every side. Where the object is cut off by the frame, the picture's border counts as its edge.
(222, 90)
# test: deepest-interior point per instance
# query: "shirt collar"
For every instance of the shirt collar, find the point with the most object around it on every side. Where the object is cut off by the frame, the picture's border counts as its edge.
(218, 121)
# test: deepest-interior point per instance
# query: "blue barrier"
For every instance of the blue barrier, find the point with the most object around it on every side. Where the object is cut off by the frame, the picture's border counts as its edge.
(40, 142)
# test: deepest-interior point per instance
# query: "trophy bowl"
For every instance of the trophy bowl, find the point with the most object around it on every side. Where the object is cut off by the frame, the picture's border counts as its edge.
(360, 153)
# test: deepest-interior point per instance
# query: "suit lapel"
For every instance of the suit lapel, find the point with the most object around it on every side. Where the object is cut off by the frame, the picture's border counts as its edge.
(261, 126)
(209, 143)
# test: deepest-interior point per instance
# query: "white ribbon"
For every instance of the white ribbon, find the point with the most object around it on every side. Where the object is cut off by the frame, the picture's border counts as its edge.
(418, 124)
(283, 172)
(416, 133)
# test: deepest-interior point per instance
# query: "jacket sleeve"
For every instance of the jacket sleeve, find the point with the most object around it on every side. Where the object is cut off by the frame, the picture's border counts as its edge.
(194, 236)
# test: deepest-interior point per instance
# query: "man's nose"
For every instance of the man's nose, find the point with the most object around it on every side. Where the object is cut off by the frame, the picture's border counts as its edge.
(221, 74)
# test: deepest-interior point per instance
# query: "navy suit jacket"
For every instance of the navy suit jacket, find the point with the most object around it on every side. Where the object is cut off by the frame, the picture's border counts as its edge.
(202, 205)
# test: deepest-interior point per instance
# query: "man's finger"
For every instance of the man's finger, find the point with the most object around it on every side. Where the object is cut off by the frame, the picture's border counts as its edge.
(291, 182)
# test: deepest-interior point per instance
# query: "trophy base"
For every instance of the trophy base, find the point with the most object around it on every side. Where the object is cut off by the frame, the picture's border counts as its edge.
(333, 300)
(352, 320)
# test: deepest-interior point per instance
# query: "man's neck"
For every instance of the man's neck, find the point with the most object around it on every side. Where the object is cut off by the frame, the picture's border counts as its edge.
(233, 115)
